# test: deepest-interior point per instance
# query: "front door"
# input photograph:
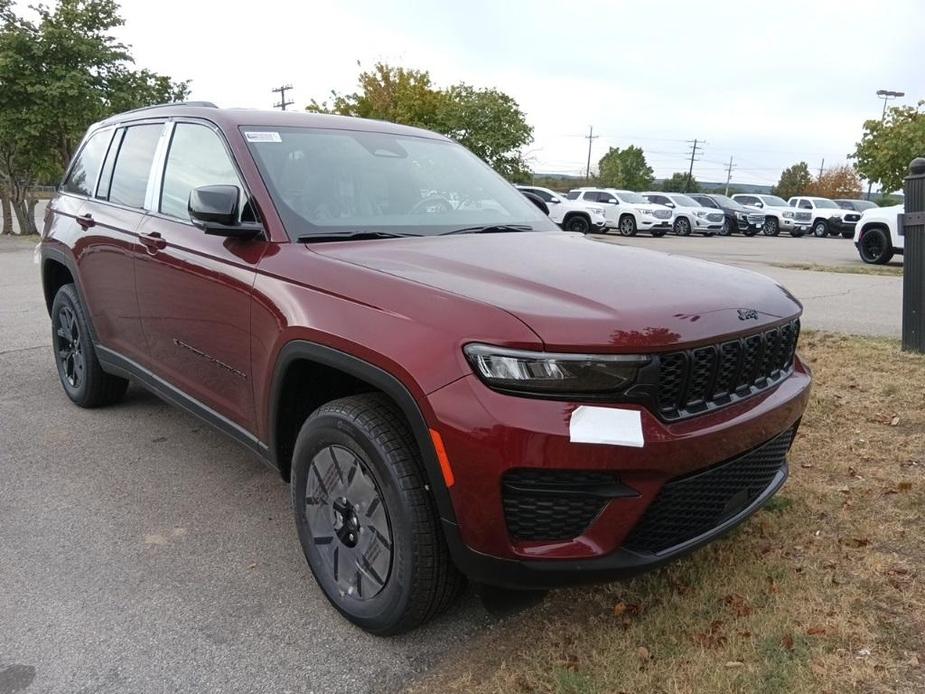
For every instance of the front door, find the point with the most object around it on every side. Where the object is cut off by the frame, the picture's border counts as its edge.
(194, 290)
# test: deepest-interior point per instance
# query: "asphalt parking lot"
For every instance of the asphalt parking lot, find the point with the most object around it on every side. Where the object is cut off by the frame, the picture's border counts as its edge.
(141, 551)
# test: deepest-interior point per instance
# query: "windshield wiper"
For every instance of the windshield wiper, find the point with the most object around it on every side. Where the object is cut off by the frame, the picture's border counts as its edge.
(350, 236)
(489, 229)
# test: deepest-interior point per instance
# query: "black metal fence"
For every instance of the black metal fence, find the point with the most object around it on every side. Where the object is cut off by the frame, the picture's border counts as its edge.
(913, 228)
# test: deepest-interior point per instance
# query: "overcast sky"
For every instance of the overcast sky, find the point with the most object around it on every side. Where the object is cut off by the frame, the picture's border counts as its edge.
(768, 83)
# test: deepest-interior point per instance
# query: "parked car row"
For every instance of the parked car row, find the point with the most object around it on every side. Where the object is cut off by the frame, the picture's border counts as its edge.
(600, 210)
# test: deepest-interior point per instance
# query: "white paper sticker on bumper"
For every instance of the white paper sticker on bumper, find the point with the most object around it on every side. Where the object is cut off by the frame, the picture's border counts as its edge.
(606, 425)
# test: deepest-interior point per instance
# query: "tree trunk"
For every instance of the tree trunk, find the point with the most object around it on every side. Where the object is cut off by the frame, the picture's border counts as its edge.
(22, 216)
(30, 209)
(7, 213)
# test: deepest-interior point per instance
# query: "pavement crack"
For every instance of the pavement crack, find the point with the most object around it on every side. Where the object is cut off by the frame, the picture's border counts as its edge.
(22, 349)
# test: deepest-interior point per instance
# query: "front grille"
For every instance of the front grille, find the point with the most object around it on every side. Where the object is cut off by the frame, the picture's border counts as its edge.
(756, 219)
(692, 505)
(662, 214)
(802, 216)
(852, 217)
(696, 380)
(555, 504)
(715, 217)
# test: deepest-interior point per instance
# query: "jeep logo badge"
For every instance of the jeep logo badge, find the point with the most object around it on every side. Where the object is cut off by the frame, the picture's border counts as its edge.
(748, 314)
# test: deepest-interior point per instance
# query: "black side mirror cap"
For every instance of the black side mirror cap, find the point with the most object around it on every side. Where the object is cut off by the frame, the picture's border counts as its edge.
(536, 200)
(214, 209)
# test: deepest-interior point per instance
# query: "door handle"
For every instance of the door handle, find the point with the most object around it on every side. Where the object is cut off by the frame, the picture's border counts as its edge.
(85, 220)
(152, 241)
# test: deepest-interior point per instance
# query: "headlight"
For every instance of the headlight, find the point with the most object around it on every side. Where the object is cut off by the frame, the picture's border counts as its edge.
(788, 215)
(700, 213)
(741, 215)
(544, 373)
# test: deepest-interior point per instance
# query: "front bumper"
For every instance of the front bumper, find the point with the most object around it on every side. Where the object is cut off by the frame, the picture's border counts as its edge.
(645, 223)
(487, 434)
(840, 225)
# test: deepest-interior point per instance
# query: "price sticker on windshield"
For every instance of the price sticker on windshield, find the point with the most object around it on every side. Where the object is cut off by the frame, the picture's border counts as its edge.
(262, 136)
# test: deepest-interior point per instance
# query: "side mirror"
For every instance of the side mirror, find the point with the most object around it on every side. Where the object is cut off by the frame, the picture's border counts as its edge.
(758, 203)
(612, 201)
(214, 209)
(668, 204)
(553, 201)
(536, 200)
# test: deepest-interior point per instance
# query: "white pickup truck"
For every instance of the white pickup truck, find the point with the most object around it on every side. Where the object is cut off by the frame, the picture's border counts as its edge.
(570, 215)
(778, 215)
(828, 217)
(876, 235)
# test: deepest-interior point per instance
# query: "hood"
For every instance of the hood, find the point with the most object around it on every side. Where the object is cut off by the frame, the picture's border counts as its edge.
(577, 293)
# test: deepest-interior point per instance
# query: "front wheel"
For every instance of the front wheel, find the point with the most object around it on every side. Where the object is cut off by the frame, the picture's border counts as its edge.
(820, 228)
(771, 226)
(682, 226)
(578, 223)
(727, 227)
(365, 518)
(875, 247)
(627, 225)
(796, 233)
(750, 231)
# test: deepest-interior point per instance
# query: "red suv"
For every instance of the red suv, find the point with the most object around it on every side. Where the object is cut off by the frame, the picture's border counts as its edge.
(453, 386)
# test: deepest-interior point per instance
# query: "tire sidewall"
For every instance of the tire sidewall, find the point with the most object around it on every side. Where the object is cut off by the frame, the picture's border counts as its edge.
(727, 227)
(67, 298)
(880, 258)
(380, 611)
(630, 230)
(820, 229)
(771, 227)
(578, 224)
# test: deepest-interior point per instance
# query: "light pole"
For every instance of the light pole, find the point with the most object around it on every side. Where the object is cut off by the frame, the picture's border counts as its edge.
(886, 95)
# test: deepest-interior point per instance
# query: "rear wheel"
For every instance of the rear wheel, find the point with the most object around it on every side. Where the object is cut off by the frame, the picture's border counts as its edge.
(875, 246)
(820, 228)
(79, 370)
(847, 234)
(771, 226)
(578, 223)
(366, 521)
(628, 225)
(682, 226)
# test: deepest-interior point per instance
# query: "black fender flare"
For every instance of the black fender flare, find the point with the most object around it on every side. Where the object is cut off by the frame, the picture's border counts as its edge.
(67, 261)
(378, 378)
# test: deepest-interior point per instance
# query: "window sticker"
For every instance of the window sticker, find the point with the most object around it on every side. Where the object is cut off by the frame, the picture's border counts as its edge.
(262, 136)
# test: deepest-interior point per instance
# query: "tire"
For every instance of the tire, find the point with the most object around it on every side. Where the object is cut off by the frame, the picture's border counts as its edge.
(658, 233)
(361, 504)
(682, 226)
(820, 228)
(847, 234)
(771, 226)
(79, 370)
(796, 233)
(578, 223)
(875, 246)
(628, 225)
(727, 227)
(750, 232)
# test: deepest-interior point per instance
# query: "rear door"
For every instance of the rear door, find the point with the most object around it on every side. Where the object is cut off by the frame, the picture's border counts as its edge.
(195, 289)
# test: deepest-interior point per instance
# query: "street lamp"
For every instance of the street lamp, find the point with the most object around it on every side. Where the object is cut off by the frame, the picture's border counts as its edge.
(886, 95)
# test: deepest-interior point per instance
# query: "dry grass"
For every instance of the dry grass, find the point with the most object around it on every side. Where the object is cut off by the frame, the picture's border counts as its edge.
(859, 269)
(821, 591)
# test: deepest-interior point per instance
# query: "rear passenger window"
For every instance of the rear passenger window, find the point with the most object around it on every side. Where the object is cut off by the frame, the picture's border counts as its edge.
(197, 157)
(82, 178)
(572, 195)
(133, 164)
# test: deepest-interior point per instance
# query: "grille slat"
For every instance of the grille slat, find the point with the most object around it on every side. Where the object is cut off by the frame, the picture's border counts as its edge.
(694, 380)
(690, 506)
(551, 504)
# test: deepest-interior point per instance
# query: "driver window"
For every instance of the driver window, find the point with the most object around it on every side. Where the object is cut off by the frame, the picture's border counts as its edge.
(197, 157)
(806, 204)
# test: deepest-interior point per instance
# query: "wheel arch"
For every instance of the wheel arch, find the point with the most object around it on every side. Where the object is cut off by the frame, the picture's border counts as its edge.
(301, 358)
(58, 269)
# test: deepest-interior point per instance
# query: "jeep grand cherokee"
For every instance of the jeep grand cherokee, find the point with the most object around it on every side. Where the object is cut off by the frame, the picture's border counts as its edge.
(453, 387)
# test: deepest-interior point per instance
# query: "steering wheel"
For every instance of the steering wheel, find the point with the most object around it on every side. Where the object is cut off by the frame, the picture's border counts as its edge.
(431, 205)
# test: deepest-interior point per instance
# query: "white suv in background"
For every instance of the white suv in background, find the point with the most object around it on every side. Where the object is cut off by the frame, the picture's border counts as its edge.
(828, 217)
(778, 215)
(877, 235)
(688, 215)
(626, 211)
(571, 215)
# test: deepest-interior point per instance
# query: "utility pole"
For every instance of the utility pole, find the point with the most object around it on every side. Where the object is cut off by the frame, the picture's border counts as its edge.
(282, 103)
(695, 144)
(729, 175)
(821, 167)
(590, 137)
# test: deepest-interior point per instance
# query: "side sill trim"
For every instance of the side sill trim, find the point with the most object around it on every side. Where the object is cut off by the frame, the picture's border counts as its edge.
(115, 363)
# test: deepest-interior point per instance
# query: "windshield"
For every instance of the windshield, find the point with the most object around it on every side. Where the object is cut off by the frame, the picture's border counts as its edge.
(325, 181)
(773, 200)
(631, 198)
(684, 201)
(822, 202)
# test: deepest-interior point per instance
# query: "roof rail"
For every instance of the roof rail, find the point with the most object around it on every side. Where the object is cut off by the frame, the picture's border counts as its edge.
(196, 104)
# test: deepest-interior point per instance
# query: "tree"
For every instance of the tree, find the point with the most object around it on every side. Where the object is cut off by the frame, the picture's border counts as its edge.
(793, 181)
(625, 168)
(487, 121)
(678, 184)
(58, 75)
(887, 147)
(839, 182)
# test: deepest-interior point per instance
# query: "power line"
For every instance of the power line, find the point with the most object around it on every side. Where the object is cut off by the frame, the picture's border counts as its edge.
(283, 102)
(591, 137)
